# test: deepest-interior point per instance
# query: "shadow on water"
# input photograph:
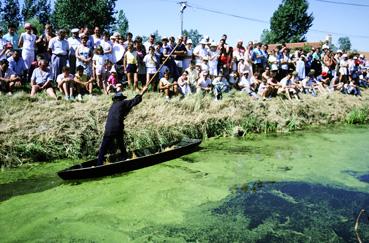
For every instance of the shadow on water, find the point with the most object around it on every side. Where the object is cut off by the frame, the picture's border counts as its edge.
(271, 212)
(31, 185)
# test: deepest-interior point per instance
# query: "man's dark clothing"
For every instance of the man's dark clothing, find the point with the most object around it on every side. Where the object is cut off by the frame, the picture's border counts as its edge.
(114, 126)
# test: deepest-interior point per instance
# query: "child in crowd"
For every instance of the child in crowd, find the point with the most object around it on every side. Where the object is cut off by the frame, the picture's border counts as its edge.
(99, 60)
(82, 82)
(66, 83)
(168, 86)
(151, 62)
(112, 83)
(184, 84)
(204, 84)
(130, 63)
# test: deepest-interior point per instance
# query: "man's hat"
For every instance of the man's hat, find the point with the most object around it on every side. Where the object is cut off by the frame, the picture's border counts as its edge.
(119, 96)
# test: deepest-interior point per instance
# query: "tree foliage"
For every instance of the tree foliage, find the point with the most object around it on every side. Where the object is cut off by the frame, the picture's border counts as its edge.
(29, 9)
(194, 35)
(76, 13)
(39, 9)
(344, 43)
(289, 23)
(121, 25)
(10, 13)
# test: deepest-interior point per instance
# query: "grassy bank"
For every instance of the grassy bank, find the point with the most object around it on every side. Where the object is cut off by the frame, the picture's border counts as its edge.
(40, 129)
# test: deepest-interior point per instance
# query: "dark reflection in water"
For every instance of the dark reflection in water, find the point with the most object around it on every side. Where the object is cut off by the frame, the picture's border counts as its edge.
(270, 212)
(299, 207)
(31, 185)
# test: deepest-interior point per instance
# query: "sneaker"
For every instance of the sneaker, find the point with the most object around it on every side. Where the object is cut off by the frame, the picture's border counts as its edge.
(66, 97)
(79, 97)
(71, 98)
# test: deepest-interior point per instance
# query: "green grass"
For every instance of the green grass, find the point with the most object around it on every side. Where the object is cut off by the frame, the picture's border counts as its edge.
(42, 129)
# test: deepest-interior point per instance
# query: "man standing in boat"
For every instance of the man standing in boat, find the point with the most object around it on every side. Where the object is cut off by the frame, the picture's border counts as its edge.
(114, 124)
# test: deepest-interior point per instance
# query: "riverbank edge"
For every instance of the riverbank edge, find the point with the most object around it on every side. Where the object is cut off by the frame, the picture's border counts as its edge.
(39, 129)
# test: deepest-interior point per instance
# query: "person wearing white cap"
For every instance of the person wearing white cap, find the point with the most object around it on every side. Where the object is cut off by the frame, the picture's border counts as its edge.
(189, 54)
(27, 41)
(213, 60)
(344, 65)
(200, 51)
(74, 41)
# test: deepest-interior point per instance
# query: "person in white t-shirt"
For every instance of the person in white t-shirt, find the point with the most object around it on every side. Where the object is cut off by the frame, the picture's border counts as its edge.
(151, 62)
(27, 41)
(204, 84)
(200, 51)
(65, 82)
(247, 85)
(213, 60)
(99, 60)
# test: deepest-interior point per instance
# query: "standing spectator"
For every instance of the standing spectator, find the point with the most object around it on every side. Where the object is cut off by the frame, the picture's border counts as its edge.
(239, 51)
(96, 37)
(129, 37)
(3, 46)
(200, 51)
(344, 72)
(213, 60)
(107, 46)
(27, 42)
(73, 41)
(41, 79)
(59, 48)
(17, 65)
(150, 42)
(42, 42)
(141, 53)
(179, 53)
(99, 61)
(84, 56)
(151, 62)
(189, 54)
(130, 65)
(284, 63)
(300, 68)
(12, 36)
(90, 39)
(167, 49)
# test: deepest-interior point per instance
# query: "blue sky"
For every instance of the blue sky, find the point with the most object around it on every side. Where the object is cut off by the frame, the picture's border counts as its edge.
(146, 16)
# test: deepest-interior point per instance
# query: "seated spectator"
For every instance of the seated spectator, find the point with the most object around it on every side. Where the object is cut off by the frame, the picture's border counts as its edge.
(233, 79)
(288, 87)
(65, 82)
(204, 65)
(324, 81)
(363, 79)
(168, 86)
(273, 84)
(184, 84)
(351, 89)
(41, 79)
(204, 84)
(8, 78)
(263, 89)
(112, 83)
(16, 64)
(82, 82)
(247, 85)
(310, 84)
(220, 85)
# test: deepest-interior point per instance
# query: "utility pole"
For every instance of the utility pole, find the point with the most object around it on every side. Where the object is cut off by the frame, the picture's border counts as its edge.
(183, 5)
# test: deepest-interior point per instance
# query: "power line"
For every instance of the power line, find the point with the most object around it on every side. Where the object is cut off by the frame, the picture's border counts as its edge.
(344, 3)
(265, 22)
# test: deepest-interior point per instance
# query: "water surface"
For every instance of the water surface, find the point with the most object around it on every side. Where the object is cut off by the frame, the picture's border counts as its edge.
(301, 187)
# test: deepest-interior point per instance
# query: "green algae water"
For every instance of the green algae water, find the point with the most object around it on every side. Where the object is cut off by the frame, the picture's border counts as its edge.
(302, 187)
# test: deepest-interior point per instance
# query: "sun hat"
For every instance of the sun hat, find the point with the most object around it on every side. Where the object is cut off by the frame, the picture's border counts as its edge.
(203, 41)
(164, 38)
(213, 44)
(27, 25)
(75, 30)
(339, 51)
(344, 55)
(119, 96)
(189, 41)
(116, 34)
(113, 70)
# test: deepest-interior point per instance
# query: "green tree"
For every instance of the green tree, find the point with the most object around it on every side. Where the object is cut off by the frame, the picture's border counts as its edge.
(344, 43)
(194, 35)
(76, 13)
(43, 11)
(289, 23)
(28, 9)
(10, 13)
(121, 25)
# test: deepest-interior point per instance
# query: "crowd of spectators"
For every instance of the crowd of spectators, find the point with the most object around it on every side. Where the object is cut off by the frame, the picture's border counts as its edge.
(86, 63)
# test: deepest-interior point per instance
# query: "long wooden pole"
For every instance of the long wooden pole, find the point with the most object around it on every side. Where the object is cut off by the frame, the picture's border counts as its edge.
(152, 78)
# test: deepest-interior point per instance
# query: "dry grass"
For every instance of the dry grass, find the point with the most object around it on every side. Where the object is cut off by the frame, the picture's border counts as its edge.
(41, 129)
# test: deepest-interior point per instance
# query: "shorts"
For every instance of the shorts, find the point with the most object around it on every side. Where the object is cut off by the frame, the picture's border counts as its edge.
(131, 68)
(100, 70)
(150, 70)
(213, 71)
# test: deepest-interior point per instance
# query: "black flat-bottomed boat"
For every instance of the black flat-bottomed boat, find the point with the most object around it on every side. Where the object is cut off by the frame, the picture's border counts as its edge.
(139, 159)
